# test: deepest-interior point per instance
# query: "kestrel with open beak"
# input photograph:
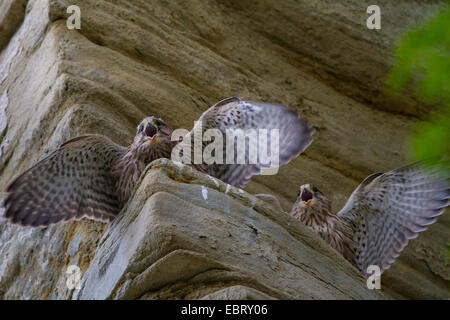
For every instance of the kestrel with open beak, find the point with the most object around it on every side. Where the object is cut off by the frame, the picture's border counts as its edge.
(92, 177)
(383, 213)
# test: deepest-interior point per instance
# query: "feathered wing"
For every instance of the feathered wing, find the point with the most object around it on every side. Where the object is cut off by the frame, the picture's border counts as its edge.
(73, 182)
(387, 210)
(295, 135)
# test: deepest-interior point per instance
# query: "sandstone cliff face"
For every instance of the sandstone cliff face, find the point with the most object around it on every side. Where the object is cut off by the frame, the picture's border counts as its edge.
(131, 59)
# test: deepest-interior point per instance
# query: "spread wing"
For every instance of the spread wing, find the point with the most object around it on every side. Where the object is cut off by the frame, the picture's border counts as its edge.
(278, 133)
(387, 210)
(73, 182)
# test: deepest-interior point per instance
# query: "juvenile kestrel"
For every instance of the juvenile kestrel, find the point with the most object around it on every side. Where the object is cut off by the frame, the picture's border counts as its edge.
(91, 176)
(383, 213)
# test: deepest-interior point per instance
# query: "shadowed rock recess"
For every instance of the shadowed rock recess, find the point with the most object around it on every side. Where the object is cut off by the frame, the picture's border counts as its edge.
(184, 234)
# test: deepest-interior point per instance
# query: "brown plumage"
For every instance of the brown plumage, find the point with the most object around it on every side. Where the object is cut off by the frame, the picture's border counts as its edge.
(314, 211)
(73, 182)
(152, 141)
(92, 177)
(381, 215)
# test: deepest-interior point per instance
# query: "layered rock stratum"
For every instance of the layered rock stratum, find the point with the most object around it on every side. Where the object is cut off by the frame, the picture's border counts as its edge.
(174, 59)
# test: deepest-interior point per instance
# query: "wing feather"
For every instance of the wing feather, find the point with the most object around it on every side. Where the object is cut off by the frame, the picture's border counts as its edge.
(387, 210)
(73, 182)
(295, 135)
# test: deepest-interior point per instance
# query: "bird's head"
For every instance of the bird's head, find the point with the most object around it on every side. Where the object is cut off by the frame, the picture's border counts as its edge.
(151, 130)
(309, 195)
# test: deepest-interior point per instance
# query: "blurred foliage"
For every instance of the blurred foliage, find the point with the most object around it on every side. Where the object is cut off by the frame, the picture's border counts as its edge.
(422, 62)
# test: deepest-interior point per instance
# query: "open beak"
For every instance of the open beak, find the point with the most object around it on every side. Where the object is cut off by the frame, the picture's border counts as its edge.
(150, 130)
(306, 194)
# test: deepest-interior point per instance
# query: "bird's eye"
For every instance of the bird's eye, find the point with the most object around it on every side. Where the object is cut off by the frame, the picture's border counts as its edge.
(315, 189)
(298, 194)
(141, 128)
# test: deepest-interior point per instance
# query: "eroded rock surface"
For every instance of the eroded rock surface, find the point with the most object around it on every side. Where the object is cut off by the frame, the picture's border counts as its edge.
(188, 235)
(131, 59)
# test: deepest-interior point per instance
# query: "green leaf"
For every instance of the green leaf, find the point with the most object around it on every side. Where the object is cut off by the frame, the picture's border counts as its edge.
(422, 58)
